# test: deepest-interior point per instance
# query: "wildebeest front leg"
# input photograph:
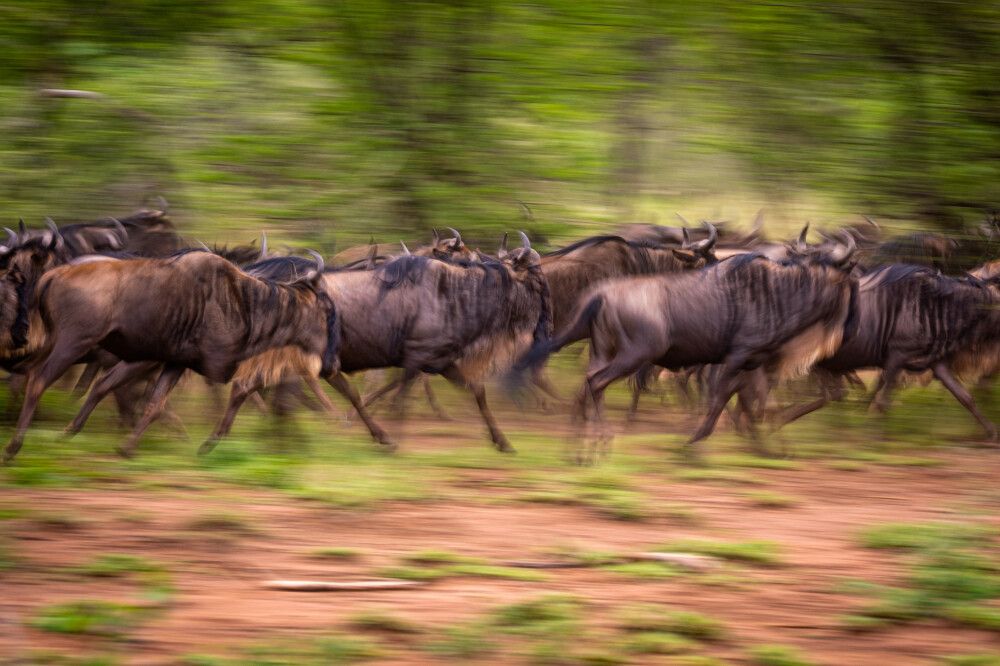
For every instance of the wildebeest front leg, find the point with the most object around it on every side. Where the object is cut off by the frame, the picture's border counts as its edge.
(726, 384)
(455, 376)
(945, 376)
(164, 384)
(40, 378)
(343, 387)
(119, 375)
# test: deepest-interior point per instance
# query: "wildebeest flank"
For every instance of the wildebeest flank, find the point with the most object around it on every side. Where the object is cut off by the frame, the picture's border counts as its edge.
(206, 316)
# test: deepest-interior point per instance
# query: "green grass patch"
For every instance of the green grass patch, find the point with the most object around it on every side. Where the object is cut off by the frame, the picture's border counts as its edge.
(972, 660)
(383, 622)
(91, 617)
(338, 554)
(761, 553)
(468, 641)
(755, 462)
(915, 536)
(655, 642)
(948, 576)
(777, 655)
(770, 500)
(712, 475)
(221, 522)
(647, 618)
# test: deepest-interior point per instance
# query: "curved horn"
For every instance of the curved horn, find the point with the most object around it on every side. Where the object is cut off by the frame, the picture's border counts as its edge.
(406, 250)
(263, 245)
(503, 243)
(164, 206)
(681, 218)
(686, 238)
(844, 252)
(525, 243)
(872, 222)
(758, 222)
(436, 235)
(708, 243)
(320, 264)
(205, 247)
(57, 238)
(21, 229)
(457, 236)
(12, 236)
(800, 243)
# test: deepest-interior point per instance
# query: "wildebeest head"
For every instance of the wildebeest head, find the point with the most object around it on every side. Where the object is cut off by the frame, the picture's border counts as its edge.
(22, 263)
(699, 253)
(449, 249)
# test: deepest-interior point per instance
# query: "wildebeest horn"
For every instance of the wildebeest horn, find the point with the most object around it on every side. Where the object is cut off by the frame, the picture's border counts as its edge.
(263, 245)
(406, 250)
(800, 243)
(436, 235)
(12, 236)
(844, 252)
(320, 264)
(164, 206)
(525, 243)
(57, 238)
(22, 230)
(457, 236)
(686, 238)
(758, 222)
(708, 243)
(205, 247)
(503, 243)
(872, 222)
(681, 218)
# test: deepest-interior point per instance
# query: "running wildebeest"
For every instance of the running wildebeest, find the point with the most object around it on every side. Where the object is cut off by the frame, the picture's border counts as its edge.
(911, 318)
(206, 316)
(462, 321)
(741, 314)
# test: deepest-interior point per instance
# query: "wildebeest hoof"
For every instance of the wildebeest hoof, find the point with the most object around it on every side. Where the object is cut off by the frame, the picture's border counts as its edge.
(504, 447)
(387, 446)
(123, 451)
(693, 457)
(207, 446)
(69, 432)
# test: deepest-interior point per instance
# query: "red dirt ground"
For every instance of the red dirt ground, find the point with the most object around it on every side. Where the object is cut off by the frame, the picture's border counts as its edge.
(220, 606)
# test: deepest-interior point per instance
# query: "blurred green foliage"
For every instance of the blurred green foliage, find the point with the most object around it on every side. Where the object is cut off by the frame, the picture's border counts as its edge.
(370, 116)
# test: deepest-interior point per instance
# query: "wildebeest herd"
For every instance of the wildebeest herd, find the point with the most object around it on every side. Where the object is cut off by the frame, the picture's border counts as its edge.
(138, 306)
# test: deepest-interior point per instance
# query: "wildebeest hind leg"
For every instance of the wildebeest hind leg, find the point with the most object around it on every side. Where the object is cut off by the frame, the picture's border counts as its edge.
(164, 384)
(343, 387)
(597, 382)
(945, 376)
(455, 376)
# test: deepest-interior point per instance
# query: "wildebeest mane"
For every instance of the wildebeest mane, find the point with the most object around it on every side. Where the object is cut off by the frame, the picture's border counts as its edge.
(599, 240)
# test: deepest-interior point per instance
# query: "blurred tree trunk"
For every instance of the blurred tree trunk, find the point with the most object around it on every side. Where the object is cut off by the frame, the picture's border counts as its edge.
(634, 123)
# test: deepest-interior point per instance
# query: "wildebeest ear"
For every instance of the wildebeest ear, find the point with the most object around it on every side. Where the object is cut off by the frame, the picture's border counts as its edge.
(687, 256)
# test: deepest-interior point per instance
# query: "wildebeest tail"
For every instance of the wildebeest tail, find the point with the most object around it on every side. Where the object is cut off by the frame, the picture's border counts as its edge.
(579, 329)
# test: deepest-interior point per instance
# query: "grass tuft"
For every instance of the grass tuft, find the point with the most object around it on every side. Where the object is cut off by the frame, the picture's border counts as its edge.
(762, 553)
(777, 655)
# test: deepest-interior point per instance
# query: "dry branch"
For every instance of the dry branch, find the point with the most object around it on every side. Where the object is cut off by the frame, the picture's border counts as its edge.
(339, 586)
